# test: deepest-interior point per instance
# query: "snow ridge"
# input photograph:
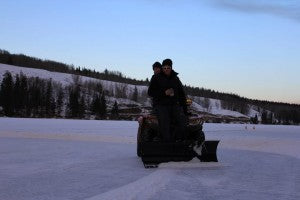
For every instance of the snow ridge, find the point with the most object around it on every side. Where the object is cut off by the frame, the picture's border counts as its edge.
(143, 188)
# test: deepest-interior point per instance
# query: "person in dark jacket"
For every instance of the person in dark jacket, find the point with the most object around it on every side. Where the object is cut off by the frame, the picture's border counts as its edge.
(167, 92)
(156, 68)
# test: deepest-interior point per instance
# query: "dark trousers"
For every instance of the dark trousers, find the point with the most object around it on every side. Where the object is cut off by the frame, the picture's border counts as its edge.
(172, 122)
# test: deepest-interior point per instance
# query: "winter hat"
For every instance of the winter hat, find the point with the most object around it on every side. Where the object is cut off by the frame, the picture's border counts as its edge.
(156, 65)
(167, 62)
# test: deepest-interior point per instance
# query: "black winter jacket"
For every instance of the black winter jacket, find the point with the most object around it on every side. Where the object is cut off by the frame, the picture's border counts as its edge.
(160, 83)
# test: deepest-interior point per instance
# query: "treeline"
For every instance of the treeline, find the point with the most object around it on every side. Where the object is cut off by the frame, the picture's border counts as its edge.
(22, 96)
(32, 62)
(228, 101)
(286, 113)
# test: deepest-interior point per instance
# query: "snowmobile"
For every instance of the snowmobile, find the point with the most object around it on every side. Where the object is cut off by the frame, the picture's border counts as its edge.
(154, 152)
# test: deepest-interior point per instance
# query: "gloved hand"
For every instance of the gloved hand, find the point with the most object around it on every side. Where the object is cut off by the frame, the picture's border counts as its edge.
(169, 92)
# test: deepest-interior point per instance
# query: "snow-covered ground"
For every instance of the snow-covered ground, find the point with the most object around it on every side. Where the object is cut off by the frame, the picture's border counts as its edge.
(86, 159)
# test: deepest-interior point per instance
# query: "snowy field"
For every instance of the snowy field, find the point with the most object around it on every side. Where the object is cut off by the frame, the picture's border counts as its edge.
(87, 159)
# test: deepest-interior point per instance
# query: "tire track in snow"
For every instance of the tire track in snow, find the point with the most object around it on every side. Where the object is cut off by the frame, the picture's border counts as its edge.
(144, 188)
(72, 137)
(286, 147)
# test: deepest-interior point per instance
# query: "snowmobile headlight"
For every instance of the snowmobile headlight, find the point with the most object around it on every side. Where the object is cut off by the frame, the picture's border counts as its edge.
(188, 101)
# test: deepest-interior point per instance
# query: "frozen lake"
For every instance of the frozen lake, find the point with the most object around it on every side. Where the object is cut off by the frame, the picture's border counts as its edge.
(87, 159)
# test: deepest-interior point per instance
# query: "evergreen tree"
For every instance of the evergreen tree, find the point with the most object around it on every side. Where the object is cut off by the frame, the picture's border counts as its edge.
(49, 101)
(254, 120)
(115, 111)
(74, 105)
(103, 106)
(10, 61)
(38, 97)
(296, 116)
(33, 98)
(135, 94)
(98, 87)
(81, 109)
(59, 101)
(95, 105)
(6, 94)
(264, 118)
(206, 103)
(98, 106)
(16, 96)
(270, 118)
(244, 108)
(23, 95)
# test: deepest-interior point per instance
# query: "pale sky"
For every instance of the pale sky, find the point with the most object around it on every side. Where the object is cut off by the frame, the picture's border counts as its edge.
(250, 48)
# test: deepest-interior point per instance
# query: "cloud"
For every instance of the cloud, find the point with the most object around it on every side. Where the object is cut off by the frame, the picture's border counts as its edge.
(282, 8)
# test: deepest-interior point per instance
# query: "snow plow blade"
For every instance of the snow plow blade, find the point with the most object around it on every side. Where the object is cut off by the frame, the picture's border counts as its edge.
(209, 151)
(154, 153)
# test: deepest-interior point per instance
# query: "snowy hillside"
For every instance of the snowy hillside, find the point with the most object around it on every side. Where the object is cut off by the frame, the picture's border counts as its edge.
(67, 79)
(96, 160)
(214, 107)
(204, 105)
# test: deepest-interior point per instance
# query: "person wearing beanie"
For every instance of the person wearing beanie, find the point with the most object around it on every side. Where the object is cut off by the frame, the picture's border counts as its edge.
(167, 62)
(156, 67)
(156, 70)
(170, 100)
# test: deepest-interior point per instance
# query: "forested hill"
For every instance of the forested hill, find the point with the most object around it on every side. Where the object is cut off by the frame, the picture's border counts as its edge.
(232, 102)
(54, 66)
